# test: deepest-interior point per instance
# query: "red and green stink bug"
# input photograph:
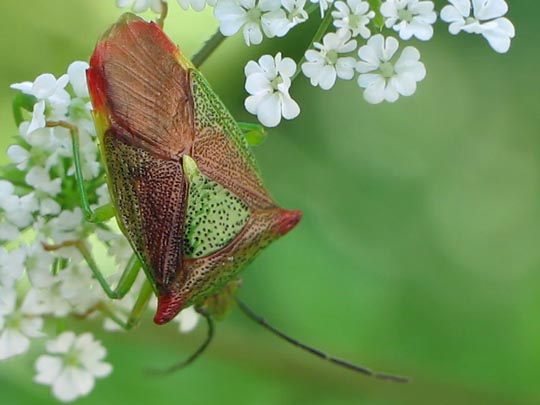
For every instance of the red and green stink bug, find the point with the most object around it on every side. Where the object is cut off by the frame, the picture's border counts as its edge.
(185, 188)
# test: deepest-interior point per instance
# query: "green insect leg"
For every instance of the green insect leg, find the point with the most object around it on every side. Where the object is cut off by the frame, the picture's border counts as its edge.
(100, 214)
(136, 313)
(126, 279)
(124, 285)
(254, 133)
(140, 305)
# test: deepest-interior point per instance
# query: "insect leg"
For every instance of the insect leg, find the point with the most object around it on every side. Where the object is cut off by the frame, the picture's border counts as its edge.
(164, 10)
(140, 305)
(136, 312)
(198, 352)
(126, 279)
(254, 133)
(100, 214)
(124, 285)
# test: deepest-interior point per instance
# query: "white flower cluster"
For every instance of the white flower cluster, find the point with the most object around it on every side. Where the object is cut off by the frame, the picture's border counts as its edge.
(382, 70)
(483, 17)
(43, 276)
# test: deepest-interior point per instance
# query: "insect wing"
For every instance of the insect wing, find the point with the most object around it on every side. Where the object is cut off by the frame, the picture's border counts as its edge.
(144, 112)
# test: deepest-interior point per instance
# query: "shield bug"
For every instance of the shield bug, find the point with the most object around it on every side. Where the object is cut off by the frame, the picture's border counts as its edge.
(185, 188)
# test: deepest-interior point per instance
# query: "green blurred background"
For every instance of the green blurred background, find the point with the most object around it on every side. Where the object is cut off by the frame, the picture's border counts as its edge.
(419, 249)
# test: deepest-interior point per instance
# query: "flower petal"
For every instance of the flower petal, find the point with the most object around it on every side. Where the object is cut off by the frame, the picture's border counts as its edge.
(77, 77)
(269, 111)
(489, 9)
(258, 83)
(374, 92)
(188, 319)
(498, 33)
(12, 343)
(48, 368)
(289, 108)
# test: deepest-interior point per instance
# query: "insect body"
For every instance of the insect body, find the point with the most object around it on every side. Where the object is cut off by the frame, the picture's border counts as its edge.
(187, 190)
(185, 187)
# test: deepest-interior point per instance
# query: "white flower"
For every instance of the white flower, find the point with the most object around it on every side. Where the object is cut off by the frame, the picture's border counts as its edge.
(79, 288)
(17, 210)
(7, 196)
(410, 18)
(324, 65)
(69, 225)
(279, 22)
(353, 16)
(45, 87)
(38, 117)
(16, 326)
(39, 178)
(11, 266)
(118, 246)
(20, 213)
(77, 78)
(46, 301)
(48, 206)
(323, 4)
(384, 79)
(187, 319)
(268, 82)
(38, 264)
(235, 14)
(51, 90)
(41, 138)
(486, 20)
(104, 197)
(74, 364)
(138, 6)
(73, 289)
(18, 155)
(8, 232)
(197, 5)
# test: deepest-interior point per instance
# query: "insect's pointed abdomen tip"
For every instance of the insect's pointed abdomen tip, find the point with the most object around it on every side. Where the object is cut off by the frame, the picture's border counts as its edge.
(168, 307)
(288, 220)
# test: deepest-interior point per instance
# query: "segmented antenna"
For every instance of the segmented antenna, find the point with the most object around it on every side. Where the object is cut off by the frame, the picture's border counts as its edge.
(342, 363)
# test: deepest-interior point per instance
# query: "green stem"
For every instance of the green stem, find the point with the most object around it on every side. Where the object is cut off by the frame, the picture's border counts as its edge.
(376, 23)
(208, 48)
(325, 23)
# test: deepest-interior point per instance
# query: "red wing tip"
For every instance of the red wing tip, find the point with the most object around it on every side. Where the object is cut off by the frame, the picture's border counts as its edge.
(168, 307)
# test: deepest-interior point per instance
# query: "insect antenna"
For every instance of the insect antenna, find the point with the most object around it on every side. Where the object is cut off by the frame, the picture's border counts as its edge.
(342, 363)
(197, 353)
